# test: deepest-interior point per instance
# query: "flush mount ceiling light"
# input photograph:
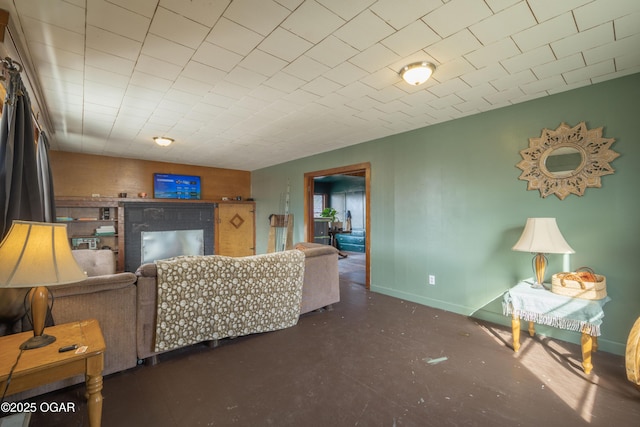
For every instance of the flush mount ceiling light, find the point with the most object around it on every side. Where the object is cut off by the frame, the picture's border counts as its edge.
(162, 141)
(417, 73)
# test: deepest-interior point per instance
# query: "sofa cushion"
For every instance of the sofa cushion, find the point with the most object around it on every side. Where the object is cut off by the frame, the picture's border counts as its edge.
(95, 262)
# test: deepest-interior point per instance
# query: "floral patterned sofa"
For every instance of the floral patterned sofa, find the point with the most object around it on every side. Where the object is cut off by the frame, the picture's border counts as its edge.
(191, 299)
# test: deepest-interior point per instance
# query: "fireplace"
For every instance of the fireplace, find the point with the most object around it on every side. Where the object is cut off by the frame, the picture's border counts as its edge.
(165, 229)
(167, 244)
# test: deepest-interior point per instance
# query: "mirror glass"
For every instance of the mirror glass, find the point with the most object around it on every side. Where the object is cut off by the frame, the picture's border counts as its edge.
(563, 161)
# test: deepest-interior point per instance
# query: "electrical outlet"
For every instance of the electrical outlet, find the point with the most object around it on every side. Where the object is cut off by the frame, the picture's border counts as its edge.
(432, 279)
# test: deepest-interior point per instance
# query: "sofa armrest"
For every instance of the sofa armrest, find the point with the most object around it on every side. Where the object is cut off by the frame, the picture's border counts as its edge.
(94, 284)
(315, 249)
(147, 270)
(321, 276)
(146, 305)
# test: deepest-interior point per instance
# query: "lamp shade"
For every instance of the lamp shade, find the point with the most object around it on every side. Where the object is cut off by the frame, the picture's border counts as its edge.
(37, 254)
(542, 235)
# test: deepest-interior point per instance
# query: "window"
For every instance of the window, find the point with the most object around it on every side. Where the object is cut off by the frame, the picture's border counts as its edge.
(319, 203)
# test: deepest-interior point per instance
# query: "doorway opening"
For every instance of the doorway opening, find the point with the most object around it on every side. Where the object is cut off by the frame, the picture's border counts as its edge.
(310, 179)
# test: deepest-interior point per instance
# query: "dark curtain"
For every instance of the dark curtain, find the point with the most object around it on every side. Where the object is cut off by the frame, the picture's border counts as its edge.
(45, 180)
(19, 190)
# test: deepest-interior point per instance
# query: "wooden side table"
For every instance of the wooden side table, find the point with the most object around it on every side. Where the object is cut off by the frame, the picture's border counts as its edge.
(546, 308)
(45, 365)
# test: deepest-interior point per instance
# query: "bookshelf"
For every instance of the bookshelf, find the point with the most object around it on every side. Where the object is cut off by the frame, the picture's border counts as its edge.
(92, 223)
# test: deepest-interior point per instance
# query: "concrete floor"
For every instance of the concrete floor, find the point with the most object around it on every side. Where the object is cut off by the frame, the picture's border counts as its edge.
(371, 361)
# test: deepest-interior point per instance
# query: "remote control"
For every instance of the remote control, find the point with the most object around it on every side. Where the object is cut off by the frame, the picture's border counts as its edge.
(68, 348)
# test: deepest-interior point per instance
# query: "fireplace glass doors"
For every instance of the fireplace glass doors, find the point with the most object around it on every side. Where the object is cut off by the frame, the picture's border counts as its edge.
(167, 244)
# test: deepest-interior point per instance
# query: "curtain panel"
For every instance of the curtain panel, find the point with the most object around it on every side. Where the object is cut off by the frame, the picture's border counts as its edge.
(19, 188)
(45, 180)
(25, 186)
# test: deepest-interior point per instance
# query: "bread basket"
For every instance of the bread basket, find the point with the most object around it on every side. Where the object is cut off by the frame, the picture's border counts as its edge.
(582, 283)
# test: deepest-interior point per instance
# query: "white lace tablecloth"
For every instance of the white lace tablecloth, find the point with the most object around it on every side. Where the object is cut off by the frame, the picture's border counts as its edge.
(546, 308)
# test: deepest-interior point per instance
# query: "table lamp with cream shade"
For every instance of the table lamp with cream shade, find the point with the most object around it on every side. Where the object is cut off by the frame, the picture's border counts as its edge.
(37, 255)
(542, 236)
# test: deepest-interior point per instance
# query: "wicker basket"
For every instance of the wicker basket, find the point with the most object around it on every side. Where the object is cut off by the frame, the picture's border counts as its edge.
(583, 283)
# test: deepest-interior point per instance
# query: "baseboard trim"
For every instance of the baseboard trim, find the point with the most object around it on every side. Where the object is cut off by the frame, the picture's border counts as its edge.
(497, 318)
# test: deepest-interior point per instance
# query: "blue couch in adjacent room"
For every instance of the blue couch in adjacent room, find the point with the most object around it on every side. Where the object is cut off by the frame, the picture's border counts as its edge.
(353, 242)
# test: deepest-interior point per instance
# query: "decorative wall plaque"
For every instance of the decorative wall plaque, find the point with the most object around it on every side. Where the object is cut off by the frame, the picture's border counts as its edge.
(566, 160)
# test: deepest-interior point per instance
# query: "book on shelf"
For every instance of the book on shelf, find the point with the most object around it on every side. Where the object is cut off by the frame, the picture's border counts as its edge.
(106, 230)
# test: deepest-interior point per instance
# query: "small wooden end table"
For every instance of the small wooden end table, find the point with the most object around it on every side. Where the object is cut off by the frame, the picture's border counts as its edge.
(546, 308)
(45, 365)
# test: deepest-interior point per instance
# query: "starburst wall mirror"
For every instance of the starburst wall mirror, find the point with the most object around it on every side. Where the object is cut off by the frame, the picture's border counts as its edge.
(566, 160)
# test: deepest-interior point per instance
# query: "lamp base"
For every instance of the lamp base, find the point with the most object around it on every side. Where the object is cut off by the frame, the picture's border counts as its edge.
(37, 342)
(539, 266)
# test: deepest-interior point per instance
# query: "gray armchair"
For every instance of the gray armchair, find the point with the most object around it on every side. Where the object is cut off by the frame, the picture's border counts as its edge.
(106, 296)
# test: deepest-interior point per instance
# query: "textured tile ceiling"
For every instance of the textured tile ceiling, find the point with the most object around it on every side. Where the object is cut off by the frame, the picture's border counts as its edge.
(246, 84)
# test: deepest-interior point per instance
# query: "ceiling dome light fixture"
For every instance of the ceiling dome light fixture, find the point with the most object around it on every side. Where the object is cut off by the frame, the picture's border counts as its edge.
(417, 73)
(162, 141)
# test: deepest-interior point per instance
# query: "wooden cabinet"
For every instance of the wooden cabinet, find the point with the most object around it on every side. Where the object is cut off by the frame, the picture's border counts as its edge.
(321, 231)
(235, 233)
(92, 223)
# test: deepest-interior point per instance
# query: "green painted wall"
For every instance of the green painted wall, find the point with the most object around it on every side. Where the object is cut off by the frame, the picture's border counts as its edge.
(446, 200)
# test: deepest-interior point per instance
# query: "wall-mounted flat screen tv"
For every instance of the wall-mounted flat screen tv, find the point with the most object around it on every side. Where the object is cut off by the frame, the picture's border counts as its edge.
(172, 186)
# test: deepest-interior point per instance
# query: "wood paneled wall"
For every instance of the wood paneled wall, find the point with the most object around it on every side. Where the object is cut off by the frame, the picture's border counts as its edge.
(82, 175)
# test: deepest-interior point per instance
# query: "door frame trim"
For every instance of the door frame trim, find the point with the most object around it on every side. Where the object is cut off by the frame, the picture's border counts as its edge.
(308, 206)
